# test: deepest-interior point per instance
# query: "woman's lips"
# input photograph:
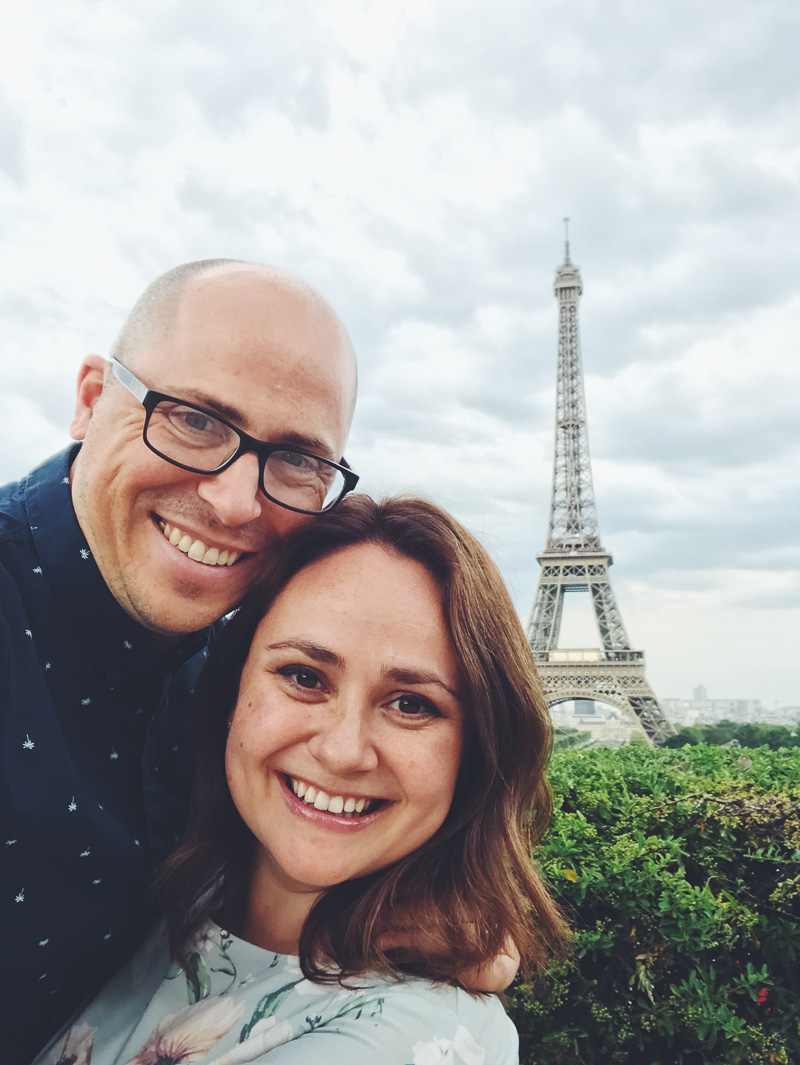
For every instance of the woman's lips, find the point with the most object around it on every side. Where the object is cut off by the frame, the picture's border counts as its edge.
(342, 822)
(348, 805)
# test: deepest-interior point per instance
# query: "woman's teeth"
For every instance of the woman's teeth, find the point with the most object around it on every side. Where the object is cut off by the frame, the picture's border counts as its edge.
(196, 549)
(334, 804)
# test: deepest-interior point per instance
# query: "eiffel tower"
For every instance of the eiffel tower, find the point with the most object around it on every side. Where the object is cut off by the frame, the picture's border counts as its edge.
(574, 559)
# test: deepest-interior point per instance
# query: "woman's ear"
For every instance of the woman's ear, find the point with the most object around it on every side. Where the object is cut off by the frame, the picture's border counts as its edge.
(91, 377)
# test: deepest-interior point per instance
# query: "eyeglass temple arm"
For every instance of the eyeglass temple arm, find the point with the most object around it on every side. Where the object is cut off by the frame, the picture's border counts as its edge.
(125, 377)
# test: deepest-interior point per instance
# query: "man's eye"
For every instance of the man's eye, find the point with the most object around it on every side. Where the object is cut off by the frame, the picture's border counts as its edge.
(194, 419)
(191, 422)
(298, 463)
(414, 706)
(198, 423)
(293, 458)
(302, 676)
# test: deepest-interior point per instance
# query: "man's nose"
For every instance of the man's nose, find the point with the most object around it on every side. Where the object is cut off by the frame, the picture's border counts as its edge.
(344, 741)
(234, 494)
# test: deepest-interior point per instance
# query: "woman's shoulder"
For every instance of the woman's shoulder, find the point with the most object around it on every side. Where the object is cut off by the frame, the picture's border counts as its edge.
(440, 1020)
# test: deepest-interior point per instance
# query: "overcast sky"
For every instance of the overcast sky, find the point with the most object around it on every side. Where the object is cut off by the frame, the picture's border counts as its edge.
(414, 160)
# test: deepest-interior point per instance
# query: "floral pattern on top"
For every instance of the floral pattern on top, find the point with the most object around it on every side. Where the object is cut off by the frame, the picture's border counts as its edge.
(237, 1004)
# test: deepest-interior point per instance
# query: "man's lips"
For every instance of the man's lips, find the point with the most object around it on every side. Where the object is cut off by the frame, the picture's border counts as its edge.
(196, 549)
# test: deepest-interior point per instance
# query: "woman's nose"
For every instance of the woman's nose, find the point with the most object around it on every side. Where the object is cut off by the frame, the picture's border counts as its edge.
(344, 742)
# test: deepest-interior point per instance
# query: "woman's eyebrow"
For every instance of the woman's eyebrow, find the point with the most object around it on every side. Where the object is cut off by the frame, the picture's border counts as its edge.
(309, 648)
(417, 676)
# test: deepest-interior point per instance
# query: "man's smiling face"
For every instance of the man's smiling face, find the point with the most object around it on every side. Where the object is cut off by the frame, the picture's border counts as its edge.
(269, 357)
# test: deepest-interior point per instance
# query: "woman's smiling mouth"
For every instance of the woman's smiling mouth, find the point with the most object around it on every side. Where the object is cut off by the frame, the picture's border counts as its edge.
(342, 805)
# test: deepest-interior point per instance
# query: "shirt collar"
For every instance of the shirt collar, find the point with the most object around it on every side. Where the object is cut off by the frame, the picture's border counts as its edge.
(111, 636)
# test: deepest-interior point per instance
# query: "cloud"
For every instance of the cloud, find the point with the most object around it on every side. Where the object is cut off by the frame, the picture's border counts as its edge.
(12, 142)
(414, 159)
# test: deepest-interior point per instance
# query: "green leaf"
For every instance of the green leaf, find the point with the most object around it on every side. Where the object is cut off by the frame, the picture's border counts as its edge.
(198, 979)
(267, 1006)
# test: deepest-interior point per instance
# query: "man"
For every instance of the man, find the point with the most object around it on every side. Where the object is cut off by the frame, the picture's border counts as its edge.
(114, 560)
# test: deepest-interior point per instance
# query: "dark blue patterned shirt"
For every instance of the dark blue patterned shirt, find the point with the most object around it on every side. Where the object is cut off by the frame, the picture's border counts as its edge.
(95, 769)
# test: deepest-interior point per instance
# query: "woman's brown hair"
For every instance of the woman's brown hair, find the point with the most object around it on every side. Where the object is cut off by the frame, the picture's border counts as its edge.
(472, 884)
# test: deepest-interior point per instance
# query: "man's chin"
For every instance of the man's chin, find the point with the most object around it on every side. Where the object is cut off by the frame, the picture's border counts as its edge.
(174, 623)
(174, 600)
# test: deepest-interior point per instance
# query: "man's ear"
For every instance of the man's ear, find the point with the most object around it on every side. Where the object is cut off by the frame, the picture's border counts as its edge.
(90, 384)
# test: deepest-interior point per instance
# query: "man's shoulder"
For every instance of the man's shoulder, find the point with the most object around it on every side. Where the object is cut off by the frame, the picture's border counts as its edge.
(12, 512)
(17, 550)
(14, 519)
(21, 567)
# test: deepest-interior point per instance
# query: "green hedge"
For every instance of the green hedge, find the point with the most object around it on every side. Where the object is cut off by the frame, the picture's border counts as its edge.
(680, 870)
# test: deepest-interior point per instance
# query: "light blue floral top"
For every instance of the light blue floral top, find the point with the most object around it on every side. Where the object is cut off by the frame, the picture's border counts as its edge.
(239, 1003)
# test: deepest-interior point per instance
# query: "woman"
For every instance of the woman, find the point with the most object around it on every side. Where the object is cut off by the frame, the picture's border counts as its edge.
(371, 744)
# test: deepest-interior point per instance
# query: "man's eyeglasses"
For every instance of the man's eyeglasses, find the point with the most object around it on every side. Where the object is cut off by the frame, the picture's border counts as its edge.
(197, 440)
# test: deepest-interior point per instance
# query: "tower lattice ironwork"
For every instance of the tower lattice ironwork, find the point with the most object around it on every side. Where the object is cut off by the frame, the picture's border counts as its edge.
(575, 560)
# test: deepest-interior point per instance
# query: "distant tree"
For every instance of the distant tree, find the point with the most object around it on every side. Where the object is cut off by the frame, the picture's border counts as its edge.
(685, 737)
(721, 732)
(752, 734)
(775, 736)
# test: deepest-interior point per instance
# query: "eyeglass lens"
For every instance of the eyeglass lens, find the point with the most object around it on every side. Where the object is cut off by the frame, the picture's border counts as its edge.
(199, 440)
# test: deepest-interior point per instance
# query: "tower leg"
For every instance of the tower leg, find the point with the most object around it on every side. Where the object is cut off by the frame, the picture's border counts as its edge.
(609, 619)
(544, 626)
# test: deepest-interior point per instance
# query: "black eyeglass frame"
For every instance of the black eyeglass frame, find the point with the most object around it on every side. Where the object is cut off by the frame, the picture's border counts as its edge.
(150, 399)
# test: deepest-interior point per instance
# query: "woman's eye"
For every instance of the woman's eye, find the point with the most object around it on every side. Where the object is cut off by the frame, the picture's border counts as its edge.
(413, 706)
(302, 676)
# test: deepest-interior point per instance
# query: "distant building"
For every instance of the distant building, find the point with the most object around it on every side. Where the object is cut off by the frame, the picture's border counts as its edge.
(782, 715)
(685, 712)
(584, 706)
(700, 710)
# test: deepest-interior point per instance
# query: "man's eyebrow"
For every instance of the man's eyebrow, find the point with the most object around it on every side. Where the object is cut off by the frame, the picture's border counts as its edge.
(233, 414)
(417, 676)
(211, 403)
(309, 648)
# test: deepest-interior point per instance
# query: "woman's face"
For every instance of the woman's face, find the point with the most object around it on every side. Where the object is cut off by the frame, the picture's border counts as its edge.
(346, 738)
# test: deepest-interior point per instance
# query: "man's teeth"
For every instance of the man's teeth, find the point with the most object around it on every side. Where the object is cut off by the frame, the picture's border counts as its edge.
(334, 804)
(196, 549)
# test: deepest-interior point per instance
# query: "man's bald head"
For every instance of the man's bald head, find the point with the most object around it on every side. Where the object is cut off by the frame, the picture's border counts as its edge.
(156, 311)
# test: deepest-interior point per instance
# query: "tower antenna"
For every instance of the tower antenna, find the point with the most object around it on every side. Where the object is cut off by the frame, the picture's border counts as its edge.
(566, 240)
